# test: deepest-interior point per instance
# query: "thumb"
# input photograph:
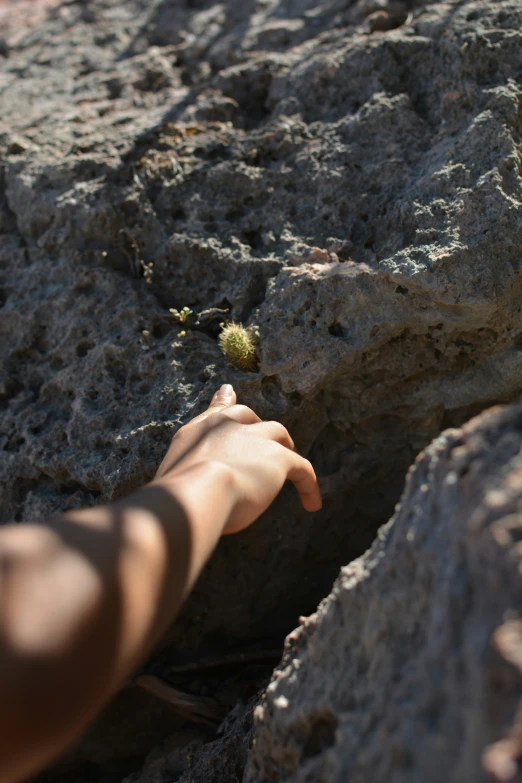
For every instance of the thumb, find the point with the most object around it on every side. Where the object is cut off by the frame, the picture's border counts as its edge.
(223, 398)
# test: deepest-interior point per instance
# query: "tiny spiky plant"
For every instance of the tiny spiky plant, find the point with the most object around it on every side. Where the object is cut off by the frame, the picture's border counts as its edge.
(239, 344)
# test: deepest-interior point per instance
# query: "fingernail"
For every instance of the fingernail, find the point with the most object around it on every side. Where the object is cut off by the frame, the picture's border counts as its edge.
(225, 391)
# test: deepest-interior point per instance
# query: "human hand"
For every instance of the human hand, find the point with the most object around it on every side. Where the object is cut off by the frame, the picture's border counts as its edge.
(128, 566)
(259, 457)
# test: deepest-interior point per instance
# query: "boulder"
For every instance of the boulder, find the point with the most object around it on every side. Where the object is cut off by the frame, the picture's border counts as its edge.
(411, 669)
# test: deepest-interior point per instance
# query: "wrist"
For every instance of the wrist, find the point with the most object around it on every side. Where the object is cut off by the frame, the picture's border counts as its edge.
(206, 491)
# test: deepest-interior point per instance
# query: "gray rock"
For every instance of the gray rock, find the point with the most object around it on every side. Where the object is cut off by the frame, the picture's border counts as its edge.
(354, 194)
(411, 668)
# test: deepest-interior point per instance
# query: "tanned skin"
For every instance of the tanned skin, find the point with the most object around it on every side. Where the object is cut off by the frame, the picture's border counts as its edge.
(85, 597)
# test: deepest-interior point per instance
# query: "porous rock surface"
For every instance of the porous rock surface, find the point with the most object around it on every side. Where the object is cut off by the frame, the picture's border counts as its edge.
(344, 175)
(411, 669)
(356, 194)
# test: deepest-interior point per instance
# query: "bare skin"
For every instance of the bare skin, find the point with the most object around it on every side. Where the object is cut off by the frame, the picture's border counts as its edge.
(85, 597)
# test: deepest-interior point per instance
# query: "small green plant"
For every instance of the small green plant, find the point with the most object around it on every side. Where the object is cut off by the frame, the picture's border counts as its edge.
(239, 344)
(181, 316)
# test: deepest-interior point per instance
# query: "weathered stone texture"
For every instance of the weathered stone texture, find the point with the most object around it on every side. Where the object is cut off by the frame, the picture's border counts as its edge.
(355, 194)
(411, 669)
(344, 175)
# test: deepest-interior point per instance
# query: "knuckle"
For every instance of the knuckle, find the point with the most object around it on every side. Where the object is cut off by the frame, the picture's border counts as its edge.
(279, 428)
(303, 465)
(242, 409)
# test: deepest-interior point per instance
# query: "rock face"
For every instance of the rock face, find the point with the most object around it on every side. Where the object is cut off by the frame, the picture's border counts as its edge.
(346, 176)
(411, 669)
(355, 194)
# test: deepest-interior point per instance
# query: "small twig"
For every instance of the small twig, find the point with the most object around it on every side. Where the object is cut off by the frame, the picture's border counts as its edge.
(195, 708)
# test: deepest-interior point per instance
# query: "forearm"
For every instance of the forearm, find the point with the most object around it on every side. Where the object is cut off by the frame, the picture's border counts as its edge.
(107, 582)
(164, 558)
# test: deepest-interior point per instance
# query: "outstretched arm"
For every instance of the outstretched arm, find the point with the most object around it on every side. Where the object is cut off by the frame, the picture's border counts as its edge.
(84, 598)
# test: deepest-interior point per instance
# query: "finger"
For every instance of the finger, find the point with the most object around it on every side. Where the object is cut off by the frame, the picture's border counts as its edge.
(302, 475)
(225, 397)
(242, 414)
(239, 413)
(274, 430)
